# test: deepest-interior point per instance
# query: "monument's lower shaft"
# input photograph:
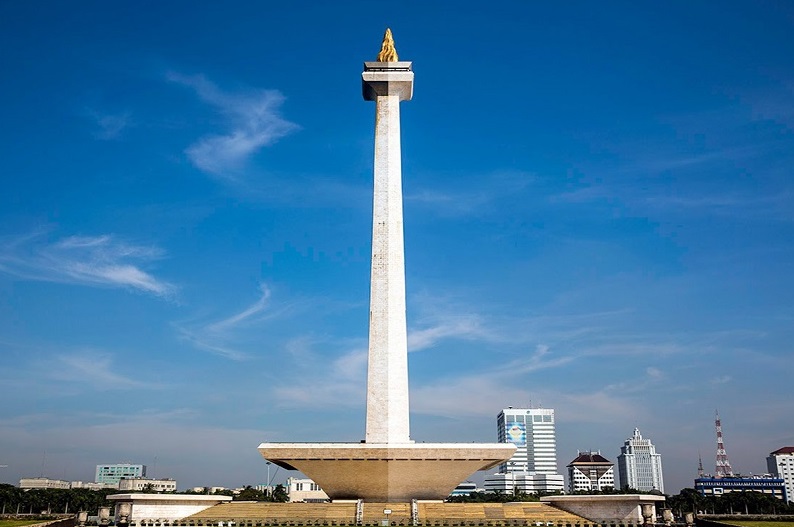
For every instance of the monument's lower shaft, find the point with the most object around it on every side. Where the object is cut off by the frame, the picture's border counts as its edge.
(387, 376)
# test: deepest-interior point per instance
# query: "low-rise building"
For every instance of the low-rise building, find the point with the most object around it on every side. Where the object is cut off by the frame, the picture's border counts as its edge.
(590, 471)
(464, 489)
(780, 464)
(140, 484)
(524, 482)
(305, 490)
(43, 483)
(766, 484)
(90, 485)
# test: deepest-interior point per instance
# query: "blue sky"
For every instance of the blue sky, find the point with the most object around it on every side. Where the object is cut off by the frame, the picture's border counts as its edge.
(599, 219)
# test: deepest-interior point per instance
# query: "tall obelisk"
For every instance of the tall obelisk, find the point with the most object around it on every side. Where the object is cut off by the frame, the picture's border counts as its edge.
(387, 82)
(387, 466)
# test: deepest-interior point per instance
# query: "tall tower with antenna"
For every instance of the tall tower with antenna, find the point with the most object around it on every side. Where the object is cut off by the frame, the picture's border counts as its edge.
(723, 467)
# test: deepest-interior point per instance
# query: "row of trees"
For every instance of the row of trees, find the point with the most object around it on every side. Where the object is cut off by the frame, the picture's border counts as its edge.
(14, 500)
(278, 494)
(690, 500)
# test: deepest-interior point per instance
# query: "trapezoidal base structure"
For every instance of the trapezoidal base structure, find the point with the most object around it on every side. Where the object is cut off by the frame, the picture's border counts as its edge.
(387, 472)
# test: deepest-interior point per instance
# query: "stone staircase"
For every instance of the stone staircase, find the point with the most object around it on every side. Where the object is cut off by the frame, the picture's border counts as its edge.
(428, 514)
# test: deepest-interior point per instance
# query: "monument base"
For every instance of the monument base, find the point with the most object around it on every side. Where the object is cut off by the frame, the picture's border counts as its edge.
(387, 472)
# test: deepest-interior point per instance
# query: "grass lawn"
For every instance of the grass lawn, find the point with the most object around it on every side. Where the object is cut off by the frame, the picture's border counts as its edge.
(743, 523)
(19, 523)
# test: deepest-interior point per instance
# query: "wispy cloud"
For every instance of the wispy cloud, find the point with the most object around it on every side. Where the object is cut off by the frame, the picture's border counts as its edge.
(86, 260)
(221, 337)
(245, 314)
(480, 193)
(96, 366)
(253, 121)
(462, 327)
(109, 126)
(318, 382)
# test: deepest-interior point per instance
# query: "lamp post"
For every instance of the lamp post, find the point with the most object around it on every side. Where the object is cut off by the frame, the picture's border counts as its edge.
(267, 485)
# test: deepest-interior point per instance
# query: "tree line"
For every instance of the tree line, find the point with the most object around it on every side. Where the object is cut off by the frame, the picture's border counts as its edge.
(14, 500)
(688, 500)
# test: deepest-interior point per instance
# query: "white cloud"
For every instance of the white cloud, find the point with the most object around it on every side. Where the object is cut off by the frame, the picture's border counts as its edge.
(245, 314)
(318, 384)
(85, 260)
(92, 367)
(464, 327)
(223, 337)
(253, 120)
(110, 126)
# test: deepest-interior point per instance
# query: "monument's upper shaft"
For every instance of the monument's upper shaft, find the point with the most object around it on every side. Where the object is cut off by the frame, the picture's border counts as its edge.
(387, 51)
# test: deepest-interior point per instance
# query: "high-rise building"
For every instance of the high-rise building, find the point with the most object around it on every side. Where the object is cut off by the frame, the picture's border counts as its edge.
(780, 464)
(112, 473)
(590, 471)
(533, 467)
(639, 465)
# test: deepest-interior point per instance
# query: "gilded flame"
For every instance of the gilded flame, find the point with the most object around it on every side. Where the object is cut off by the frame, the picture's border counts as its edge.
(387, 51)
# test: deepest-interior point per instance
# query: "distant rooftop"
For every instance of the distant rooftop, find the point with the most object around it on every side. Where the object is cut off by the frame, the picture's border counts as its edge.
(590, 457)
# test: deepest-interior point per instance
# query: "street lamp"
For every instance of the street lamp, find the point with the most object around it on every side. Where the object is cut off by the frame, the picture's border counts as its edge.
(267, 485)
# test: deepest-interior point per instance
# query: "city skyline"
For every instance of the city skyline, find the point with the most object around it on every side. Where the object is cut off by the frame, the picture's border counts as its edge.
(598, 219)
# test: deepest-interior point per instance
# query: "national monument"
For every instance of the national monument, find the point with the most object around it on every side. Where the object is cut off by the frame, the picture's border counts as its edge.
(387, 465)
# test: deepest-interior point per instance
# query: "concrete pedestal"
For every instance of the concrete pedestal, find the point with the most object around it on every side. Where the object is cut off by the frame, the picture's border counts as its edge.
(385, 472)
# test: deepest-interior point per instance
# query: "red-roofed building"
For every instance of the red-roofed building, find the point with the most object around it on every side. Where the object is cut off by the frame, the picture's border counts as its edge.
(780, 464)
(590, 471)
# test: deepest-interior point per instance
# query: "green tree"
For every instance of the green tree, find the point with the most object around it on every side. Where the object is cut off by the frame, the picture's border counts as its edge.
(279, 494)
(251, 494)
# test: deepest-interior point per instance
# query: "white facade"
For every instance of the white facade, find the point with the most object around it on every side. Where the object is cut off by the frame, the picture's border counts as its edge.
(43, 483)
(139, 484)
(92, 485)
(112, 473)
(590, 471)
(533, 467)
(305, 490)
(639, 465)
(532, 431)
(164, 507)
(780, 464)
(526, 482)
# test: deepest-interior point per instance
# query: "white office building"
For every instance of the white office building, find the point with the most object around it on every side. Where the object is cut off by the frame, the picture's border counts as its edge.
(780, 464)
(305, 490)
(533, 468)
(146, 484)
(43, 483)
(112, 473)
(639, 465)
(590, 471)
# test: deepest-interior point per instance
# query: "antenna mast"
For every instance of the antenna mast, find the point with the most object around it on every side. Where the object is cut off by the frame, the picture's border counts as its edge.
(723, 467)
(700, 466)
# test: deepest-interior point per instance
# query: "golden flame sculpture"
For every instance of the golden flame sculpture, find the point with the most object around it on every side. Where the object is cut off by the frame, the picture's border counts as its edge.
(387, 51)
